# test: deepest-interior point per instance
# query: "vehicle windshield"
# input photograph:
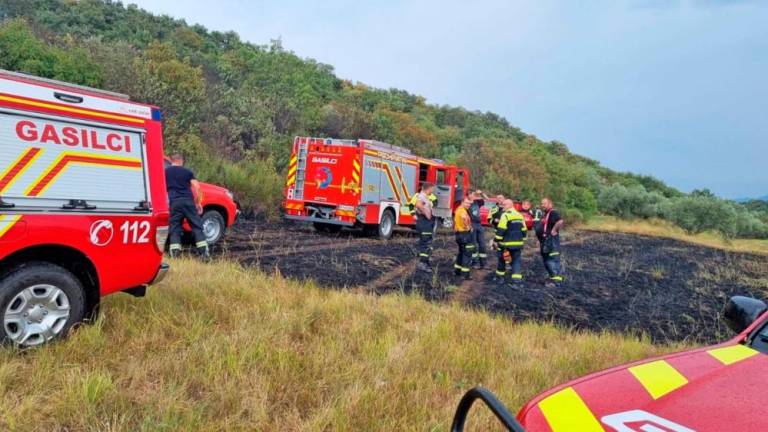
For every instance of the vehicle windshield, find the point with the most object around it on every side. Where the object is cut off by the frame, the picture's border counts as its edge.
(759, 339)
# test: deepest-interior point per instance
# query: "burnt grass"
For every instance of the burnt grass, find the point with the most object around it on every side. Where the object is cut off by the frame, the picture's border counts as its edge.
(669, 290)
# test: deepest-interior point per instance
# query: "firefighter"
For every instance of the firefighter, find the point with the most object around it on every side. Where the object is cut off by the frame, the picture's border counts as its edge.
(462, 224)
(185, 202)
(548, 233)
(494, 214)
(478, 232)
(526, 208)
(510, 238)
(425, 225)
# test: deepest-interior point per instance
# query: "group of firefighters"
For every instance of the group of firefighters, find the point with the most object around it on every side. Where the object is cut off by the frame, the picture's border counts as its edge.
(511, 224)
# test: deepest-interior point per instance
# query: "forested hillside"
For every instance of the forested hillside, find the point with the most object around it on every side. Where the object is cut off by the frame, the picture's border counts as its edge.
(234, 107)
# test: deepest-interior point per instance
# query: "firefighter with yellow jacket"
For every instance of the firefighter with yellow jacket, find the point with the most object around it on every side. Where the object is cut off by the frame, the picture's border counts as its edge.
(510, 238)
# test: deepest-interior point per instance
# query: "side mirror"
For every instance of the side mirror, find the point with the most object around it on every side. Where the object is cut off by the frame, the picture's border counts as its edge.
(740, 312)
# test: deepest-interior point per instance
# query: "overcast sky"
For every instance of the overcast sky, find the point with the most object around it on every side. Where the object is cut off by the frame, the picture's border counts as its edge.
(676, 89)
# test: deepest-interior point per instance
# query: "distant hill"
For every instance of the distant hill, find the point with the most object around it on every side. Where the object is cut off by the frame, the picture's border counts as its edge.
(234, 107)
(744, 200)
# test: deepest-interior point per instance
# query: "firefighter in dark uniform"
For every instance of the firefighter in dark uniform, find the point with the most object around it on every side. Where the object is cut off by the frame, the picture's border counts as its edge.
(480, 255)
(462, 225)
(494, 215)
(425, 225)
(548, 233)
(185, 202)
(510, 238)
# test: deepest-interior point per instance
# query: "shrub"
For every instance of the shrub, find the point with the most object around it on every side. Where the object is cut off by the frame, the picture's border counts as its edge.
(696, 214)
(632, 201)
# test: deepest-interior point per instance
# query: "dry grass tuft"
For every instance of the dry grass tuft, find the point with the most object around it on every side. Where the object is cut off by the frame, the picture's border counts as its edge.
(661, 228)
(217, 347)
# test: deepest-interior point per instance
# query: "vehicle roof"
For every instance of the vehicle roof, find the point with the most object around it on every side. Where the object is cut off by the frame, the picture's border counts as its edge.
(36, 89)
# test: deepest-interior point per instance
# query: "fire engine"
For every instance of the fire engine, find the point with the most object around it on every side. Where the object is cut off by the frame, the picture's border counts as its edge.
(83, 206)
(335, 183)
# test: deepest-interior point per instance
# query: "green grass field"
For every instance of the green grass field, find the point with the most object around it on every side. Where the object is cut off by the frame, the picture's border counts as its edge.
(217, 347)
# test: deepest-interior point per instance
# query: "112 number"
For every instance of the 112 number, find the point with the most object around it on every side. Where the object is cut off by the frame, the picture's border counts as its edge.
(135, 232)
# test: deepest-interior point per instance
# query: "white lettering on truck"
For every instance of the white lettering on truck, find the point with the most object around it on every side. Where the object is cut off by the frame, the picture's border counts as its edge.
(325, 160)
(70, 136)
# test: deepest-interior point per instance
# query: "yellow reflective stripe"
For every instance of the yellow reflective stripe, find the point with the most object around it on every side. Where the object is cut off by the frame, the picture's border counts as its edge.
(7, 222)
(566, 412)
(517, 276)
(658, 378)
(512, 243)
(72, 110)
(201, 243)
(732, 354)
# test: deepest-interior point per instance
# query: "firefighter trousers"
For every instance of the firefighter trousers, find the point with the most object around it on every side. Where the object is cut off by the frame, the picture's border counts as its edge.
(515, 266)
(425, 227)
(464, 256)
(180, 210)
(550, 255)
(480, 254)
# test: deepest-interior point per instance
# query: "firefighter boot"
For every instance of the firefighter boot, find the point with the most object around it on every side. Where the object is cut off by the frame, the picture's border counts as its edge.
(174, 250)
(204, 253)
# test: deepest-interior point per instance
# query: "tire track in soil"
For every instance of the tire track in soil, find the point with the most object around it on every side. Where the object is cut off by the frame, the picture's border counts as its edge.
(670, 290)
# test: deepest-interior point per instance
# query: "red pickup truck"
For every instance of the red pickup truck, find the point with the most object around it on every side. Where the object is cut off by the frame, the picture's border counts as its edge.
(220, 210)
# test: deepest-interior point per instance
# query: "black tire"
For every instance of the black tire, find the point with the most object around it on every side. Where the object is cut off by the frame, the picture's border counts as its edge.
(216, 228)
(40, 273)
(387, 225)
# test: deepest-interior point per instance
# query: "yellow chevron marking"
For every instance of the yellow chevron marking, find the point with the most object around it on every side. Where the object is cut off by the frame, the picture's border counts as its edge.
(566, 412)
(7, 222)
(292, 170)
(732, 354)
(658, 377)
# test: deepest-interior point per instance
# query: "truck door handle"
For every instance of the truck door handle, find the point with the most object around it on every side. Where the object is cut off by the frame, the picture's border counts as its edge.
(6, 205)
(78, 204)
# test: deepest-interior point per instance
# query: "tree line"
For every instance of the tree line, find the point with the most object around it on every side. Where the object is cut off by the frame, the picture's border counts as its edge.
(233, 108)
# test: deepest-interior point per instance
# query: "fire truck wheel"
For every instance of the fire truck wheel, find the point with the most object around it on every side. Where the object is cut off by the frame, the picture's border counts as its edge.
(387, 225)
(39, 302)
(214, 226)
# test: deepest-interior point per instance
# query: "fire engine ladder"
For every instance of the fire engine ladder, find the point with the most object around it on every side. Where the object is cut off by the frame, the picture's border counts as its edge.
(301, 167)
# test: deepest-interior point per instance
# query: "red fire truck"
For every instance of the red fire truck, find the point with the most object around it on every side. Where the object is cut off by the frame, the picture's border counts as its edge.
(83, 206)
(363, 183)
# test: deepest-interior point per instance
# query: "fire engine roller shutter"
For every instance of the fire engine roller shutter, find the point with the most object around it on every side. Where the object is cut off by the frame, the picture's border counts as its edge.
(46, 161)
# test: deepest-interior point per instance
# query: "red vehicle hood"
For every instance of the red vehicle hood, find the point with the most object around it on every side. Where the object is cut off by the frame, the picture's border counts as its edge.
(713, 389)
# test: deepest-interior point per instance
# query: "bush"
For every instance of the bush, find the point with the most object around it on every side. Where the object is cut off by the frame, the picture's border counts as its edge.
(696, 214)
(633, 201)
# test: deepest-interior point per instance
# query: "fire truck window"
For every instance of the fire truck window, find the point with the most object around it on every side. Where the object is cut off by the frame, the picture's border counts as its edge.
(440, 179)
(423, 170)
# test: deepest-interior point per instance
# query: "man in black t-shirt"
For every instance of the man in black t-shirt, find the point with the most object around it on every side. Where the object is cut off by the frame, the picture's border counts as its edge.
(548, 233)
(184, 198)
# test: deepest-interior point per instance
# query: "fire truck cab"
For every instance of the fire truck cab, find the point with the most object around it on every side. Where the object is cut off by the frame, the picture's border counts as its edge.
(335, 183)
(83, 205)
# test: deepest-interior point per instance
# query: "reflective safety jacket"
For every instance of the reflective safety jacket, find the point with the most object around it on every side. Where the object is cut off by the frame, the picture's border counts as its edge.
(511, 231)
(494, 215)
(412, 203)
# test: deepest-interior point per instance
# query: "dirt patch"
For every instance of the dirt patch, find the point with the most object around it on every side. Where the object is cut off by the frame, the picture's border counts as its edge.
(670, 290)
